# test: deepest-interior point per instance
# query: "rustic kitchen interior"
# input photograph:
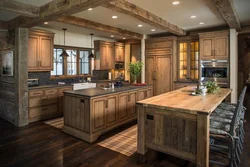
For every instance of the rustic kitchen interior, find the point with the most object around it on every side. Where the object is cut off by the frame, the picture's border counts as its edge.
(125, 83)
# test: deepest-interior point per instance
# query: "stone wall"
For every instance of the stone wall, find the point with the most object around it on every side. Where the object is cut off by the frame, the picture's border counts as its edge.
(14, 89)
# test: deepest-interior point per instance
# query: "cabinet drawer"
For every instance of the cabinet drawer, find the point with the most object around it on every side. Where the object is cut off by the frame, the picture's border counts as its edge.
(61, 90)
(44, 100)
(35, 93)
(165, 51)
(43, 111)
(51, 92)
(159, 44)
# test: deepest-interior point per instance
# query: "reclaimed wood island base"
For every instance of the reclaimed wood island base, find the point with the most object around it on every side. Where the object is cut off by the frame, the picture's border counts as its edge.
(177, 123)
(88, 113)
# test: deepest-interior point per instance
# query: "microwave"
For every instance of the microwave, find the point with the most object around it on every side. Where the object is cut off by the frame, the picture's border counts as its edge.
(119, 65)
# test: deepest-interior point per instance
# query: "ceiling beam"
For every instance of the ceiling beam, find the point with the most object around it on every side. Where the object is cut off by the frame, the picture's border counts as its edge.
(3, 25)
(54, 10)
(20, 8)
(98, 26)
(130, 9)
(228, 12)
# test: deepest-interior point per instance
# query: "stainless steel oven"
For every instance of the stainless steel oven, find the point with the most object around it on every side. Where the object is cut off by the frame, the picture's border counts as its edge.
(215, 70)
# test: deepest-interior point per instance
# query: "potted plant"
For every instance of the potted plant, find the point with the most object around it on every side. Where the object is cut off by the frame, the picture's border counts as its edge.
(212, 87)
(135, 70)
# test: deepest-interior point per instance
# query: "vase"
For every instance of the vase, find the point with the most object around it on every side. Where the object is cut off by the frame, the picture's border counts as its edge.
(135, 80)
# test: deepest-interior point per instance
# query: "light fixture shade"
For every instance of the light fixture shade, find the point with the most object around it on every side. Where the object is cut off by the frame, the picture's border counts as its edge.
(91, 55)
(64, 54)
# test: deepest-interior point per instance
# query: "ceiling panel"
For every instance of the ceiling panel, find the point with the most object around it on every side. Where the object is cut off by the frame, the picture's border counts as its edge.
(35, 2)
(104, 16)
(242, 8)
(7, 15)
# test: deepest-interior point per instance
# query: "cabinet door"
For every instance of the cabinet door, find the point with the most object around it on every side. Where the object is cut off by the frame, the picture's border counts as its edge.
(103, 57)
(141, 94)
(150, 70)
(117, 53)
(111, 110)
(206, 48)
(163, 75)
(221, 47)
(122, 53)
(123, 99)
(149, 93)
(110, 59)
(33, 53)
(99, 107)
(131, 105)
(46, 54)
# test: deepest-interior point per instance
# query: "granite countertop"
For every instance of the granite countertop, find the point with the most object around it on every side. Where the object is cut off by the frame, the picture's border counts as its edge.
(49, 86)
(92, 92)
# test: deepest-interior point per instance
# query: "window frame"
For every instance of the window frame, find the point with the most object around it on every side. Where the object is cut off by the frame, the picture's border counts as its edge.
(65, 75)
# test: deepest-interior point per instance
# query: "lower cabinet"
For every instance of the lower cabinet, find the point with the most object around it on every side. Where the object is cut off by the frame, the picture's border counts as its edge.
(103, 113)
(46, 103)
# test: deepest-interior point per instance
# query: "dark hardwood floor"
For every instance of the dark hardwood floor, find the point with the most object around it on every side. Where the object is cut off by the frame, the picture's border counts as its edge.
(39, 144)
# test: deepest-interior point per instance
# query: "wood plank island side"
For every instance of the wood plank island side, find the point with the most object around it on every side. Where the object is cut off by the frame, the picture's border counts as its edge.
(177, 123)
(90, 113)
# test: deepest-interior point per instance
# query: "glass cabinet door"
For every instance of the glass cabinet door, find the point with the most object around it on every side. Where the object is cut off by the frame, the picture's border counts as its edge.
(183, 60)
(194, 60)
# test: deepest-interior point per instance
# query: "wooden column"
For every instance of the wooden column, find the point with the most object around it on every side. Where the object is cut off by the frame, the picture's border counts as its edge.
(202, 140)
(141, 141)
(21, 76)
(234, 65)
(143, 58)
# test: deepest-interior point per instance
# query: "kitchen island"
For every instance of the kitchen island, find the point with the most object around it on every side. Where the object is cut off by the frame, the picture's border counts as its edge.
(88, 113)
(177, 123)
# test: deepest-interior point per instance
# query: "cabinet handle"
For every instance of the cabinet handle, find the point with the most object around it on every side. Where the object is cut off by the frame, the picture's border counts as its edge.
(129, 97)
(145, 93)
(40, 63)
(37, 63)
(154, 75)
(43, 109)
(82, 101)
(107, 103)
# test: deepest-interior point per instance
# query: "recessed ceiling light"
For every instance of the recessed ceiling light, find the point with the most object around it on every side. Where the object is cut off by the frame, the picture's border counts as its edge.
(139, 25)
(201, 23)
(46, 22)
(176, 3)
(90, 9)
(123, 38)
(153, 30)
(192, 17)
(112, 36)
(114, 17)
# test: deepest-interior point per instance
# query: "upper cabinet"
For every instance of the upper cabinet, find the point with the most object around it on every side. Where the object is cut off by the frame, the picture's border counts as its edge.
(214, 45)
(119, 52)
(104, 52)
(40, 50)
(188, 59)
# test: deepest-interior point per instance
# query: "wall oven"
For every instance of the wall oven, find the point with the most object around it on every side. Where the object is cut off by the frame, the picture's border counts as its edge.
(215, 70)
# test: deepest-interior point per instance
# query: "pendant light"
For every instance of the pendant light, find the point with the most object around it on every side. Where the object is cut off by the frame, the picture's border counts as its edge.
(91, 55)
(64, 53)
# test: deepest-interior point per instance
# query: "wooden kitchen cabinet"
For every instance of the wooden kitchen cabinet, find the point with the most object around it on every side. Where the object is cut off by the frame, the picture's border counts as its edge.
(40, 50)
(144, 94)
(46, 103)
(214, 45)
(99, 107)
(160, 57)
(188, 59)
(105, 59)
(131, 105)
(111, 110)
(119, 52)
(123, 100)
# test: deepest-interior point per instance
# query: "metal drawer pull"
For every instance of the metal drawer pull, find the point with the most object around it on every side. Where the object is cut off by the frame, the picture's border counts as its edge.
(36, 93)
(129, 98)
(107, 104)
(82, 101)
(150, 117)
(44, 98)
(44, 109)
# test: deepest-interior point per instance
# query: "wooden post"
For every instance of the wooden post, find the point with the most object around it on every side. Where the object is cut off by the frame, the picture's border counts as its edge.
(202, 140)
(141, 142)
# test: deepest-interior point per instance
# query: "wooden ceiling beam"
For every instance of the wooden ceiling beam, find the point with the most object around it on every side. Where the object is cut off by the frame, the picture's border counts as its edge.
(130, 9)
(228, 12)
(98, 26)
(54, 10)
(20, 8)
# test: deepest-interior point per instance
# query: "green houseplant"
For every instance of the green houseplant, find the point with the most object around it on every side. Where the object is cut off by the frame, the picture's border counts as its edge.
(212, 87)
(135, 70)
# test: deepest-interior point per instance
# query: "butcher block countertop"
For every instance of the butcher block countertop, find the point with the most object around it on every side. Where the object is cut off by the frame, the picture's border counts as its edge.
(181, 101)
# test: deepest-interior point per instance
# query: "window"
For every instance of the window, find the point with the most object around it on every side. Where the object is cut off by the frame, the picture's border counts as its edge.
(57, 62)
(77, 63)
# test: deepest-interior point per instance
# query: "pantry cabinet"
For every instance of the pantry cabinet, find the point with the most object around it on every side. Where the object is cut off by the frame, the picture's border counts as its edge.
(119, 52)
(40, 50)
